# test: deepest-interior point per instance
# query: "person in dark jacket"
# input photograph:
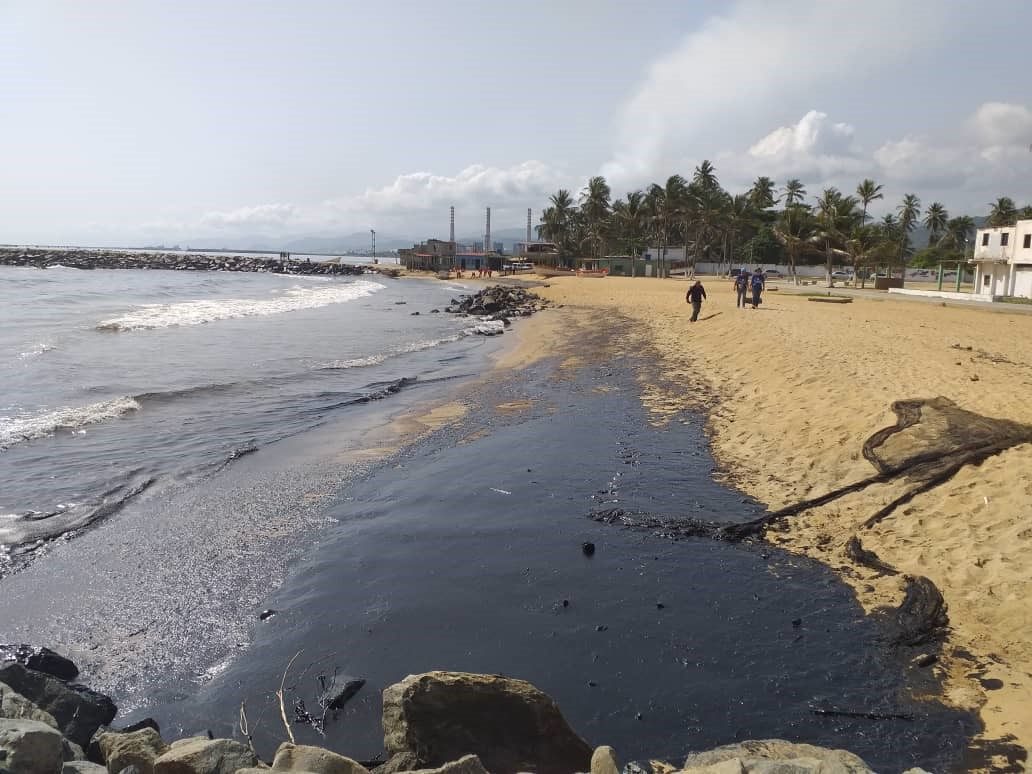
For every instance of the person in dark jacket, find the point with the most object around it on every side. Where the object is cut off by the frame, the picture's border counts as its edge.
(741, 288)
(694, 297)
(758, 281)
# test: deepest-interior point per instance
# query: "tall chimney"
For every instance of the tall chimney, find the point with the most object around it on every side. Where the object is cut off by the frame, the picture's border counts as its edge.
(528, 224)
(451, 232)
(487, 233)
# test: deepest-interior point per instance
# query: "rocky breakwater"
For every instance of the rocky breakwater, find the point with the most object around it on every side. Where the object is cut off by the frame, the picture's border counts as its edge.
(42, 258)
(496, 306)
(433, 723)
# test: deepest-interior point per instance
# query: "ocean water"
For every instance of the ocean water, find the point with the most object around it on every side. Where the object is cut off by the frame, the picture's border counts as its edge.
(114, 382)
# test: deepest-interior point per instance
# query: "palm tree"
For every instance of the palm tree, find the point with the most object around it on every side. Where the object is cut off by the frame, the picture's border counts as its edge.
(629, 216)
(863, 242)
(836, 217)
(935, 221)
(701, 215)
(594, 207)
(909, 211)
(795, 229)
(794, 192)
(868, 191)
(662, 204)
(1026, 212)
(557, 221)
(739, 218)
(958, 233)
(1002, 212)
(705, 177)
(761, 195)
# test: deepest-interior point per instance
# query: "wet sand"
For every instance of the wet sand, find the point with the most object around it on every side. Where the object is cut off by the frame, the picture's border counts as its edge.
(463, 551)
(794, 388)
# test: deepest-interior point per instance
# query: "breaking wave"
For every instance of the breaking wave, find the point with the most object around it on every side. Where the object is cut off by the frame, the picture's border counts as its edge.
(206, 311)
(16, 429)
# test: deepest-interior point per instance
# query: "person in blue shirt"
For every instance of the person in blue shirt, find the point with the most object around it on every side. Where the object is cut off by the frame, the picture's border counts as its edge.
(758, 281)
(741, 288)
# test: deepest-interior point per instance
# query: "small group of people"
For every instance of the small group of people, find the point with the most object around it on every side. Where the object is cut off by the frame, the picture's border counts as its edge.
(744, 282)
(484, 271)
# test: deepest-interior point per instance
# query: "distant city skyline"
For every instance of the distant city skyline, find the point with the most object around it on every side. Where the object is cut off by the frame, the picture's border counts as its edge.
(232, 122)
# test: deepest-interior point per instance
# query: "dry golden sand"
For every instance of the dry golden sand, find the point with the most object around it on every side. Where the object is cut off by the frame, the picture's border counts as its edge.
(799, 386)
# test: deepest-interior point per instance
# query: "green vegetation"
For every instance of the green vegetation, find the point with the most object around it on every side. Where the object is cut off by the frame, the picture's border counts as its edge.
(750, 228)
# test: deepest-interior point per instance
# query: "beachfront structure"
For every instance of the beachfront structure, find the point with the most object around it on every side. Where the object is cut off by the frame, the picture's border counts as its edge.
(431, 255)
(1003, 261)
(539, 252)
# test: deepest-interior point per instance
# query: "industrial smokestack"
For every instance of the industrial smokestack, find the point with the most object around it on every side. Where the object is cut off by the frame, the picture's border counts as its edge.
(487, 233)
(451, 232)
(528, 224)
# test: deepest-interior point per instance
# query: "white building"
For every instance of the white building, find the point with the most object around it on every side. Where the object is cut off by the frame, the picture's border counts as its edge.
(1003, 261)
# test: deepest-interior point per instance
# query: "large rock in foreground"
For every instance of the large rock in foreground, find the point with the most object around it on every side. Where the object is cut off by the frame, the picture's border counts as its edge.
(775, 755)
(30, 747)
(79, 712)
(439, 717)
(314, 760)
(136, 748)
(201, 755)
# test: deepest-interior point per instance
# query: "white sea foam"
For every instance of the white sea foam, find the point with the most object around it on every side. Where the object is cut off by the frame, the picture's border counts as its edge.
(15, 429)
(372, 360)
(205, 311)
(36, 351)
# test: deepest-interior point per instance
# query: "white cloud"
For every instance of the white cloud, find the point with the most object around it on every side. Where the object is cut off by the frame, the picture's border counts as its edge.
(259, 216)
(1000, 124)
(525, 184)
(748, 61)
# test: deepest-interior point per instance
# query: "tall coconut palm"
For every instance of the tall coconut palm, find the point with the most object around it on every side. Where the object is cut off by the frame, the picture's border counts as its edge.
(739, 220)
(795, 229)
(935, 221)
(958, 233)
(705, 177)
(867, 192)
(836, 217)
(761, 195)
(701, 215)
(557, 221)
(1002, 212)
(862, 243)
(794, 192)
(663, 203)
(909, 210)
(629, 216)
(594, 208)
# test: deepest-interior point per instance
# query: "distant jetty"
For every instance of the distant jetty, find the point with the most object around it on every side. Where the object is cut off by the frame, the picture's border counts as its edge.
(77, 258)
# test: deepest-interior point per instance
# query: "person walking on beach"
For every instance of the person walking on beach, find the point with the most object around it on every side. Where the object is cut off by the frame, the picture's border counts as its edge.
(741, 288)
(758, 281)
(694, 297)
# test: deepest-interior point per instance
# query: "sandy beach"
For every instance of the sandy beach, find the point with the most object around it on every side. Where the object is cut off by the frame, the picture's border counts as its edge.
(793, 390)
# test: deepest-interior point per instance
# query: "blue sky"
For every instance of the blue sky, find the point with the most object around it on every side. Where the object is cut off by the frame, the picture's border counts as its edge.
(133, 122)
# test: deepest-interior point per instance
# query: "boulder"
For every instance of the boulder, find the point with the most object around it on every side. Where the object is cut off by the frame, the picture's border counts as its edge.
(79, 712)
(40, 659)
(468, 764)
(201, 755)
(730, 766)
(70, 751)
(603, 761)
(439, 717)
(29, 747)
(313, 760)
(136, 748)
(14, 706)
(776, 756)
(82, 767)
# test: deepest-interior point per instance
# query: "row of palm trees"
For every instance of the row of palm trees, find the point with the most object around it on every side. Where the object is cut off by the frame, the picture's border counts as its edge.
(710, 223)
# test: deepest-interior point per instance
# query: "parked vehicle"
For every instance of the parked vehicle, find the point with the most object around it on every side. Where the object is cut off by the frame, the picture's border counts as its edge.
(841, 274)
(773, 274)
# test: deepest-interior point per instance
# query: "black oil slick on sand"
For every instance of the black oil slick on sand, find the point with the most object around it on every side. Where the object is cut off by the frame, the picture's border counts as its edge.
(464, 552)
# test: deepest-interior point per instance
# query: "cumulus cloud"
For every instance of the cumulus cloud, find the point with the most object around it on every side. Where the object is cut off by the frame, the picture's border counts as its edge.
(1000, 124)
(813, 148)
(753, 58)
(528, 182)
(258, 216)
